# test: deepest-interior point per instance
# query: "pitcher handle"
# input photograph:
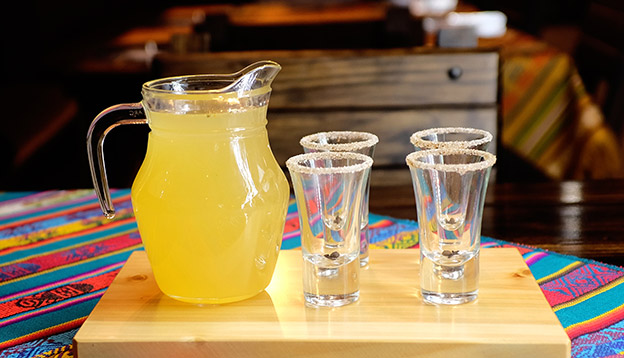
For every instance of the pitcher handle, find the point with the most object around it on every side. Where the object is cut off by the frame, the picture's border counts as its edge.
(108, 119)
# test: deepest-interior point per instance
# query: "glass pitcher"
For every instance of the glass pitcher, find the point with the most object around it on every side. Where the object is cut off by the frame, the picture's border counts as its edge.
(210, 200)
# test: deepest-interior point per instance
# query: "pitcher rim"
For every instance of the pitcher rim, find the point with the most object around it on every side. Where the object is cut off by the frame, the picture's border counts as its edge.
(232, 78)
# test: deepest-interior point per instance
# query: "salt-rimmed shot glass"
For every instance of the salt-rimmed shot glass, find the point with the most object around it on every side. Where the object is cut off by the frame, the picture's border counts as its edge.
(450, 186)
(329, 189)
(459, 137)
(347, 141)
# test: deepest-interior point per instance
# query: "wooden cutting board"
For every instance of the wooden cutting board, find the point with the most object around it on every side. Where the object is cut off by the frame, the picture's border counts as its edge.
(511, 317)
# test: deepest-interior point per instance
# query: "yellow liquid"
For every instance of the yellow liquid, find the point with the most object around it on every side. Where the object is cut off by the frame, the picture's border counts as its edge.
(210, 202)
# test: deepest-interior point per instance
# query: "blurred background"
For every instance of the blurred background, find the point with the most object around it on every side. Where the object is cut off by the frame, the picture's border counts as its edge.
(65, 61)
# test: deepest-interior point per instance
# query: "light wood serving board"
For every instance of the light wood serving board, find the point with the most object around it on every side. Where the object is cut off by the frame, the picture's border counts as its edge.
(511, 317)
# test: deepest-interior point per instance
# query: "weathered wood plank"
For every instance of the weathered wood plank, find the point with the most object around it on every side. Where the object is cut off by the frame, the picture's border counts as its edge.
(359, 78)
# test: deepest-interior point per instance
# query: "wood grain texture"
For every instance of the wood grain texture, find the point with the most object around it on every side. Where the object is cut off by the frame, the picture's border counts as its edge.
(358, 78)
(511, 317)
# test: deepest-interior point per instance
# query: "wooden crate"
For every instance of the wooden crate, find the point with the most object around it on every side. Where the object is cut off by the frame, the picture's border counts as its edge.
(511, 317)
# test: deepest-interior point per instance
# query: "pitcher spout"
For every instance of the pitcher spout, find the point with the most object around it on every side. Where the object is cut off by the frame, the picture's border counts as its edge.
(257, 75)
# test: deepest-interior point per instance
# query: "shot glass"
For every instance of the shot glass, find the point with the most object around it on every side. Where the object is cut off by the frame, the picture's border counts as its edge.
(433, 138)
(347, 141)
(329, 188)
(450, 186)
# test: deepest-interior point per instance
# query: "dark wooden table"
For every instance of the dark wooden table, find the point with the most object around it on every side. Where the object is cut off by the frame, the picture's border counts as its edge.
(584, 219)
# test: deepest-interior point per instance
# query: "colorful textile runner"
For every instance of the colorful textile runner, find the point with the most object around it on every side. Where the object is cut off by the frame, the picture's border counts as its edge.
(58, 255)
(548, 117)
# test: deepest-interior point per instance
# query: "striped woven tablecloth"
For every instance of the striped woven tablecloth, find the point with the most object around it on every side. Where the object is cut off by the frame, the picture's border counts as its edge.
(548, 117)
(58, 255)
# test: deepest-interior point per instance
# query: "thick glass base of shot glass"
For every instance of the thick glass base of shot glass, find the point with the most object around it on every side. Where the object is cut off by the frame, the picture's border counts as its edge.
(449, 285)
(312, 300)
(331, 281)
(438, 298)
